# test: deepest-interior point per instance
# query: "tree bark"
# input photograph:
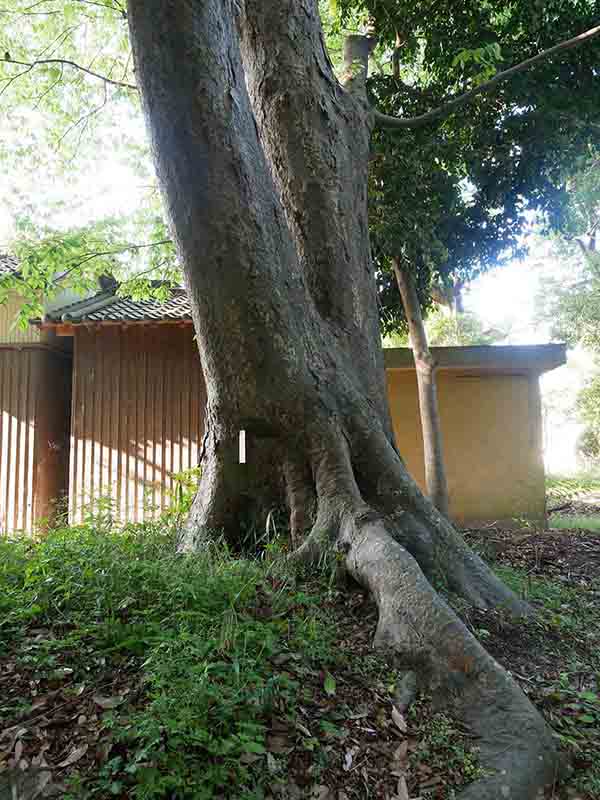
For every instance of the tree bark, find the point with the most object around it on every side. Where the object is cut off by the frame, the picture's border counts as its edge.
(262, 159)
(433, 451)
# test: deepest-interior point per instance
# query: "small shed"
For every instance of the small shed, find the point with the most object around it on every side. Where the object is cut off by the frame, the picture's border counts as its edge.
(491, 419)
(136, 399)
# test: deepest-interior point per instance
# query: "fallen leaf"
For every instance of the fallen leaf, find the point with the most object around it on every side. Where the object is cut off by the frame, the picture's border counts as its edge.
(399, 720)
(278, 744)
(18, 751)
(107, 702)
(303, 729)
(43, 781)
(272, 764)
(400, 754)
(360, 714)
(249, 758)
(39, 702)
(74, 756)
(402, 790)
(281, 658)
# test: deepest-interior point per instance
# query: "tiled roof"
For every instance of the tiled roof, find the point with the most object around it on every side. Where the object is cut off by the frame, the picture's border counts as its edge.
(8, 264)
(107, 307)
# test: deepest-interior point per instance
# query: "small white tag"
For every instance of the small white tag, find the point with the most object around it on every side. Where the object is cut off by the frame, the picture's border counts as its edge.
(242, 447)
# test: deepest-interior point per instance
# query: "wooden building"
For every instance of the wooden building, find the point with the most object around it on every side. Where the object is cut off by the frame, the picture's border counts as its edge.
(35, 407)
(133, 410)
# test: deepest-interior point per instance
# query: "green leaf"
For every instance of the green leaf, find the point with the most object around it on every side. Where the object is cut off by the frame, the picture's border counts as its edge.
(329, 684)
(254, 747)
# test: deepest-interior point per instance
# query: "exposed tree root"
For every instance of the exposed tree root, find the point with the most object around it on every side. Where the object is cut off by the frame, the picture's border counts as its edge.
(390, 538)
(516, 746)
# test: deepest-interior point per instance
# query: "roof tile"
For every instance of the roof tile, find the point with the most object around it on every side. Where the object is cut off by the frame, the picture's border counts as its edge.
(107, 307)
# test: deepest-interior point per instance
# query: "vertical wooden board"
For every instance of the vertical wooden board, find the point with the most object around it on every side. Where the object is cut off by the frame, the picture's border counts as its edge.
(3, 440)
(13, 382)
(20, 454)
(169, 376)
(106, 343)
(82, 411)
(90, 393)
(151, 426)
(91, 400)
(101, 422)
(119, 426)
(140, 440)
(129, 373)
(114, 413)
(176, 411)
(75, 438)
(7, 438)
(83, 363)
(184, 399)
(30, 442)
(161, 414)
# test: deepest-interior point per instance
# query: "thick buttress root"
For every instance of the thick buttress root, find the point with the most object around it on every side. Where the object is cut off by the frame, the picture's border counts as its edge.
(389, 545)
(516, 747)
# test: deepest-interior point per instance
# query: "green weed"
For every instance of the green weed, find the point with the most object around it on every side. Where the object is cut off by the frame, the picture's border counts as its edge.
(201, 633)
(574, 523)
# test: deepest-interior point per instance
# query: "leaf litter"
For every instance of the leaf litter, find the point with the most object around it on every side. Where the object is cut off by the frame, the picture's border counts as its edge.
(350, 736)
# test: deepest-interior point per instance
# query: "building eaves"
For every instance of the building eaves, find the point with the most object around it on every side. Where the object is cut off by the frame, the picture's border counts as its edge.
(8, 265)
(536, 358)
(107, 307)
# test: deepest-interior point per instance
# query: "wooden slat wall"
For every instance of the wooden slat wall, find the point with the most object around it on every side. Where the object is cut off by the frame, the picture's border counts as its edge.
(9, 333)
(17, 440)
(138, 400)
(34, 418)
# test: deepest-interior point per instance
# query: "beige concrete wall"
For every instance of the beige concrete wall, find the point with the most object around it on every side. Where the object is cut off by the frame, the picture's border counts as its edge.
(491, 426)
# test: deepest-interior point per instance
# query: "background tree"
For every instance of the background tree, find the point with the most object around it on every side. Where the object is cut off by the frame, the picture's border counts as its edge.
(448, 206)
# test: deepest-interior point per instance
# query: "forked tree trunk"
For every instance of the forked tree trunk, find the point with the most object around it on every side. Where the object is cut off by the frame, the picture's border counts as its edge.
(425, 366)
(262, 158)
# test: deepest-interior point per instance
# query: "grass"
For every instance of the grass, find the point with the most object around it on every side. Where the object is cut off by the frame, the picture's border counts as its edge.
(194, 627)
(564, 488)
(138, 673)
(574, 522)
(128, 671)
(556, 659)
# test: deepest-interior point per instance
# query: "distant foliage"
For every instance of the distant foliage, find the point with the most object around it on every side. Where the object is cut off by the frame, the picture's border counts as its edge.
(459, 330)
(446, 329)
(563, 488)
(51, 262)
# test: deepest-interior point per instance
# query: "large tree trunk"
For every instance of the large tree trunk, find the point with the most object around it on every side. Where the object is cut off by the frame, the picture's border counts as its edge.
(425, 366)
(262, 158)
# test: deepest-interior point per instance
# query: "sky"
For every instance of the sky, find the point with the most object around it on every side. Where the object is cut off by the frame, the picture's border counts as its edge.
(505, 298)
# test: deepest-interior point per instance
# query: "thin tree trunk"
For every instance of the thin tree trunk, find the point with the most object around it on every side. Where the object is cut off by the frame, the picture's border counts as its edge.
(262, 159)
(433, 451)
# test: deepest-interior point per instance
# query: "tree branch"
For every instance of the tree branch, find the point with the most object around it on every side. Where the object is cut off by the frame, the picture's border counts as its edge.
(445, 110)
(67, 63)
